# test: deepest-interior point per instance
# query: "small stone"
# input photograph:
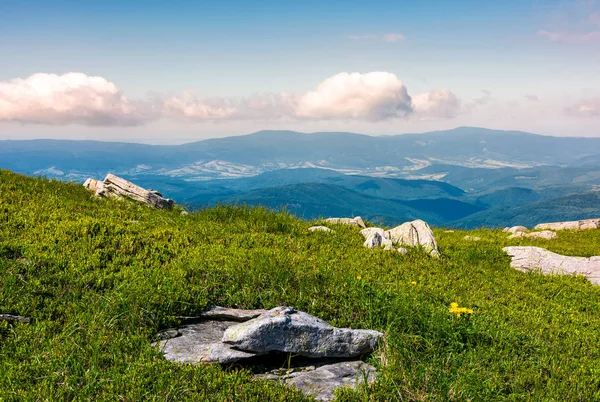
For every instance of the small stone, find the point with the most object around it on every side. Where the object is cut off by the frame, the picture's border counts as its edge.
(516, 229)
(472, 238)
(320, 229)
(402, 250)
(545, 234)
(347, 221)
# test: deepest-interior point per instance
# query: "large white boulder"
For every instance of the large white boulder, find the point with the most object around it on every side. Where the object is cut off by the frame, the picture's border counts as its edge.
(413, 234)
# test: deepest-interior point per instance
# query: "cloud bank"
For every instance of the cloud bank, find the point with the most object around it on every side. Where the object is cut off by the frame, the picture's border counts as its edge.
(585, 108)
(65, 99)
(75, 98)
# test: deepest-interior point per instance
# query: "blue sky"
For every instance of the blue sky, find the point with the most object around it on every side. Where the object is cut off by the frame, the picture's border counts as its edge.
(179, 71)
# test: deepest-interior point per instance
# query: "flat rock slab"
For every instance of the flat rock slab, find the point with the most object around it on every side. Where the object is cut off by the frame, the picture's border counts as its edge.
(536, 258)
(200, 343)
(284, 329)
(544, 234)
(581, 225)
(320, 381)
(231, 314)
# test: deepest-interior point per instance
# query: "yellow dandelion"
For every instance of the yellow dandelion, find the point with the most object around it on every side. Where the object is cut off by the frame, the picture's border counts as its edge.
(454, 309)
(359, 277)
(413, 283)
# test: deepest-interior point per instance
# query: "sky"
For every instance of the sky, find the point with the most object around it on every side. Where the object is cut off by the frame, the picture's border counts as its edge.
(170, 72)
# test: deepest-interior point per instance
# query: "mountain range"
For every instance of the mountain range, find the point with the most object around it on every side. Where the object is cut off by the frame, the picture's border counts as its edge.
(465, 177)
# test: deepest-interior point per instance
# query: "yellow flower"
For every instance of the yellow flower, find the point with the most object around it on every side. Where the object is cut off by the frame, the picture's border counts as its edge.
(413, 283)
(359, 277)
(454, 309)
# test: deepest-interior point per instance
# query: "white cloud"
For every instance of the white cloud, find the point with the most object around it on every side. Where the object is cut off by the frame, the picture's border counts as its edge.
(585, 108)
(372, 96)
(568, 37)
(66, 99)
(393, 37)
(439, 103)
(76, 98)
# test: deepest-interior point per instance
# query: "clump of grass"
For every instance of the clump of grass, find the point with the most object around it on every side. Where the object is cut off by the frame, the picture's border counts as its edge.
(99, 278)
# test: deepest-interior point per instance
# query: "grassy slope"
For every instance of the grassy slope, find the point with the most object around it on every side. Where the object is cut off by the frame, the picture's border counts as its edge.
(100, 277)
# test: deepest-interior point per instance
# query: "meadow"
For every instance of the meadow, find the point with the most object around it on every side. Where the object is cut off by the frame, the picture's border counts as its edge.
(100, 277)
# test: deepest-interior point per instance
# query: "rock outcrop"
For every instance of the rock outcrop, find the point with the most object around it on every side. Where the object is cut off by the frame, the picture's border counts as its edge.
(357, 221)
(415, 233)
(114, 186)
(218, 337)
(536, 258)
(284, 329)
(544, 234)
(580, 225)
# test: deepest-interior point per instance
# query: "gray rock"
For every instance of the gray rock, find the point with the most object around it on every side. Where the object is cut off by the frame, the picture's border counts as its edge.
(320, 382)
(285, 329)
(544, 234)
(413, 234)
(535, 258)
(231, 314)
(200, 343)
(347, 221)
(320, 229)
(14, 318)
(580, 225)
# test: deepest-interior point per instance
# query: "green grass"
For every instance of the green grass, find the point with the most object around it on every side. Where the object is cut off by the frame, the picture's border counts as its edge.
(99, 278)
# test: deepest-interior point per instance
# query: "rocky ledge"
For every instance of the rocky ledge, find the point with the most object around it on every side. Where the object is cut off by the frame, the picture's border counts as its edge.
(331, 355)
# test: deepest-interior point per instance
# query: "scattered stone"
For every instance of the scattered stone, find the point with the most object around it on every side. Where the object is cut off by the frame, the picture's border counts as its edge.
(185, 213)
(231, 314)
(448, 231)
(347, 221)
(515, 229)
(545, 234)
(285, 329)
(402, 250)
(472, 238)
(114, 186)
(319, 382)
(14, 318)
(536, 258)
(413, 234)
(580, 225)
(320, 229)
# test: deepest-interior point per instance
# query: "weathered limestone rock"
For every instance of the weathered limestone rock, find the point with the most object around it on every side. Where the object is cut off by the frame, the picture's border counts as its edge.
(320, 229)
(581, 225)
(114, 186)
(285, 329)
(368, 231)
(387, 244)
(374, 239)
(515, 229)
(347, 221)
(14, 318)
(413, 234)
(201, 343)
(320, 381)
(544, 234)
(231, 314)
(536, 258)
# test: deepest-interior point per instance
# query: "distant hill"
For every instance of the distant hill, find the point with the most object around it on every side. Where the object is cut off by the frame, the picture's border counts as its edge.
(315, 200)
(571, 207)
